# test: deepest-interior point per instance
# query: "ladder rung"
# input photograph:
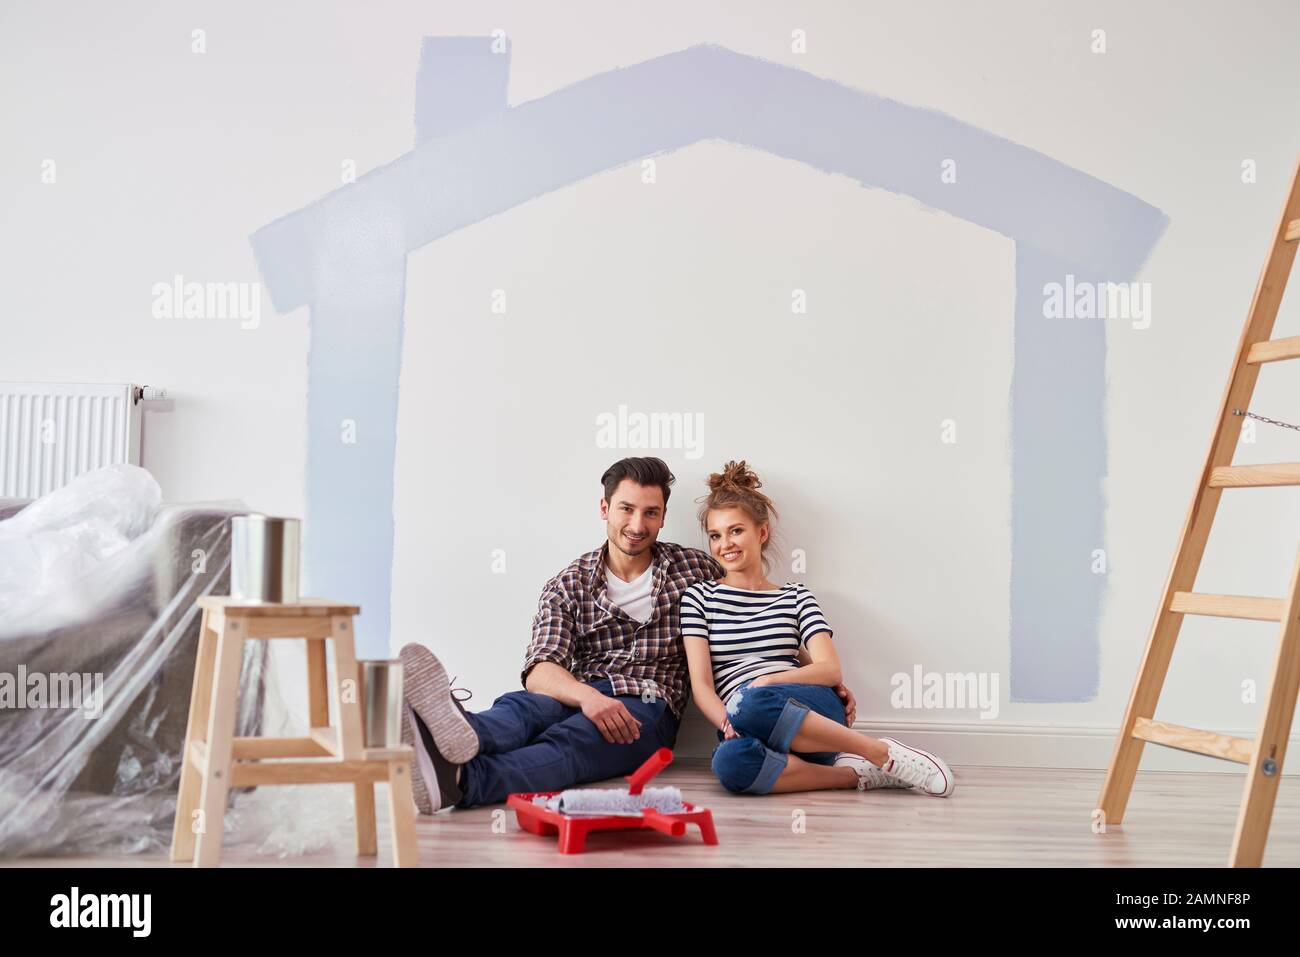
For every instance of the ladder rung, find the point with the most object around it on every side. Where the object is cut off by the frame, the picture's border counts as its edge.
(1255, 476)
(1229, 606)
(1271, 350)
(1223, 746)
(1293, 230)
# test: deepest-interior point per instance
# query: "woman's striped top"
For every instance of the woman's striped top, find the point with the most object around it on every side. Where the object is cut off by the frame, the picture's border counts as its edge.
(750, 633)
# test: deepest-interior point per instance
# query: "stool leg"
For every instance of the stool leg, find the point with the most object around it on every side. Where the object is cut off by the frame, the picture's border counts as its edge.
(367, 836)
(318, 704)
(187, 800)
(401, 811)
(221, 729)
(347, 688)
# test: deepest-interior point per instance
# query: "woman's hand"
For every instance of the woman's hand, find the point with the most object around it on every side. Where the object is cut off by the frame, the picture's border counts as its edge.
(850, 704)
(727, 730)
(760, 681)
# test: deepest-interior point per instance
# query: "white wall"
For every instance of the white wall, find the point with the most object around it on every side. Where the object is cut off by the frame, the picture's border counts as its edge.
(632, 304)
(168, 160)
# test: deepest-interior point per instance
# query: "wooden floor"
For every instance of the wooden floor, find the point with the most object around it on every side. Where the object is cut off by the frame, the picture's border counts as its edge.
(996, 817)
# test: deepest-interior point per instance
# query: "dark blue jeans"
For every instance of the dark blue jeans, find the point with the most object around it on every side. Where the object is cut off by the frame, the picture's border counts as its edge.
(531, 742)
(767, 718)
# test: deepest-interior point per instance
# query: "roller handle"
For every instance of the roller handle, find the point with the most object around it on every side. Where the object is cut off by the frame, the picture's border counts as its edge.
(653, 765)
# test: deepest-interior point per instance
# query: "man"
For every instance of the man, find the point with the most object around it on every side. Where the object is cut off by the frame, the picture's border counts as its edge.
(605, 673)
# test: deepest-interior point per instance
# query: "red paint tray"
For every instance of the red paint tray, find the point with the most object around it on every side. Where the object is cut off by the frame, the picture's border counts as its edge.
(573, 830)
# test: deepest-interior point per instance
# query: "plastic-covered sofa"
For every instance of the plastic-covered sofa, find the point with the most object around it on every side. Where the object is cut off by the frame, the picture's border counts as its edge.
(102, 777)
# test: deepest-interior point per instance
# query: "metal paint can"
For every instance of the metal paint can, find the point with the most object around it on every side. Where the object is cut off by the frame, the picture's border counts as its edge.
(264, 555)
(381, 695)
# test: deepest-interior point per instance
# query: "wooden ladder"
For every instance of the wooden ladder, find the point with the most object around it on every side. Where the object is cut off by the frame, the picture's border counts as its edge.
(1265, 753)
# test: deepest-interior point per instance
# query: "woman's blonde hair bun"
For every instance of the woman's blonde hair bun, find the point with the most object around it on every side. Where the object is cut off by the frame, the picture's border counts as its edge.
(736, 475)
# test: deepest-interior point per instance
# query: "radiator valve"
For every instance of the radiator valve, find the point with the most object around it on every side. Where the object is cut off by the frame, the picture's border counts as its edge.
(150, 393)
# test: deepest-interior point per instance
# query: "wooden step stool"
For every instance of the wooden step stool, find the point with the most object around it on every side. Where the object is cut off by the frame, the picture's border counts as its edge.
(216, 761)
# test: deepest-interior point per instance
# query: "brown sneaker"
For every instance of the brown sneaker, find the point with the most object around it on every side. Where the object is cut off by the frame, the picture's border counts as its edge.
(418, 791)
(428, 692)
(433, 777)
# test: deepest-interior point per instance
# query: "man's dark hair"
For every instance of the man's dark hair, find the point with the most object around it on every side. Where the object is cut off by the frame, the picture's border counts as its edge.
(643, 471)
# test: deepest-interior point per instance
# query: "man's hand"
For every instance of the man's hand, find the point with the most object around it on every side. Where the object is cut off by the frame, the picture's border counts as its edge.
(612, 718)
(850, 704)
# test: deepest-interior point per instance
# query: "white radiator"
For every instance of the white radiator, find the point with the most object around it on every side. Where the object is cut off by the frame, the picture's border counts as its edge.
(51, 433)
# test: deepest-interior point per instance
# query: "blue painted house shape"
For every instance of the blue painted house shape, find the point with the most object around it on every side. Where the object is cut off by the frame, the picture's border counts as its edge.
(475, 156)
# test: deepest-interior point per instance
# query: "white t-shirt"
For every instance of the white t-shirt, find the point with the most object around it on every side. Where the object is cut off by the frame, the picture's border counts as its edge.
(635, 597)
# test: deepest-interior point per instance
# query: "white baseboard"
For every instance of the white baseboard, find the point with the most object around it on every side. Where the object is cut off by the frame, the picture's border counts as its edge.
(1000, 745)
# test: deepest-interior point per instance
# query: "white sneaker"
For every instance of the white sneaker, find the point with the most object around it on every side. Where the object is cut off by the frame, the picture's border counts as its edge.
(870, 777)
(919, 768)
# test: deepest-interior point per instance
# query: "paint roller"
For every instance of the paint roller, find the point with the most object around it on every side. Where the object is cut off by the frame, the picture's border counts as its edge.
(634, 801)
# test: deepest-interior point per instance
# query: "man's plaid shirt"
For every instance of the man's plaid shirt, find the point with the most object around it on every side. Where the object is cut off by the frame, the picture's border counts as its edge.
(577, 627)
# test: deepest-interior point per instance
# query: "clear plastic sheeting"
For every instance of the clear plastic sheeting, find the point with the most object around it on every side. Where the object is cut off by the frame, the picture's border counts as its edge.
(98, 636)
(50, 546)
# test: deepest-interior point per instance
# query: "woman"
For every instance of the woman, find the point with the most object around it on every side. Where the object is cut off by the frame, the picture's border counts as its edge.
(763, 668)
